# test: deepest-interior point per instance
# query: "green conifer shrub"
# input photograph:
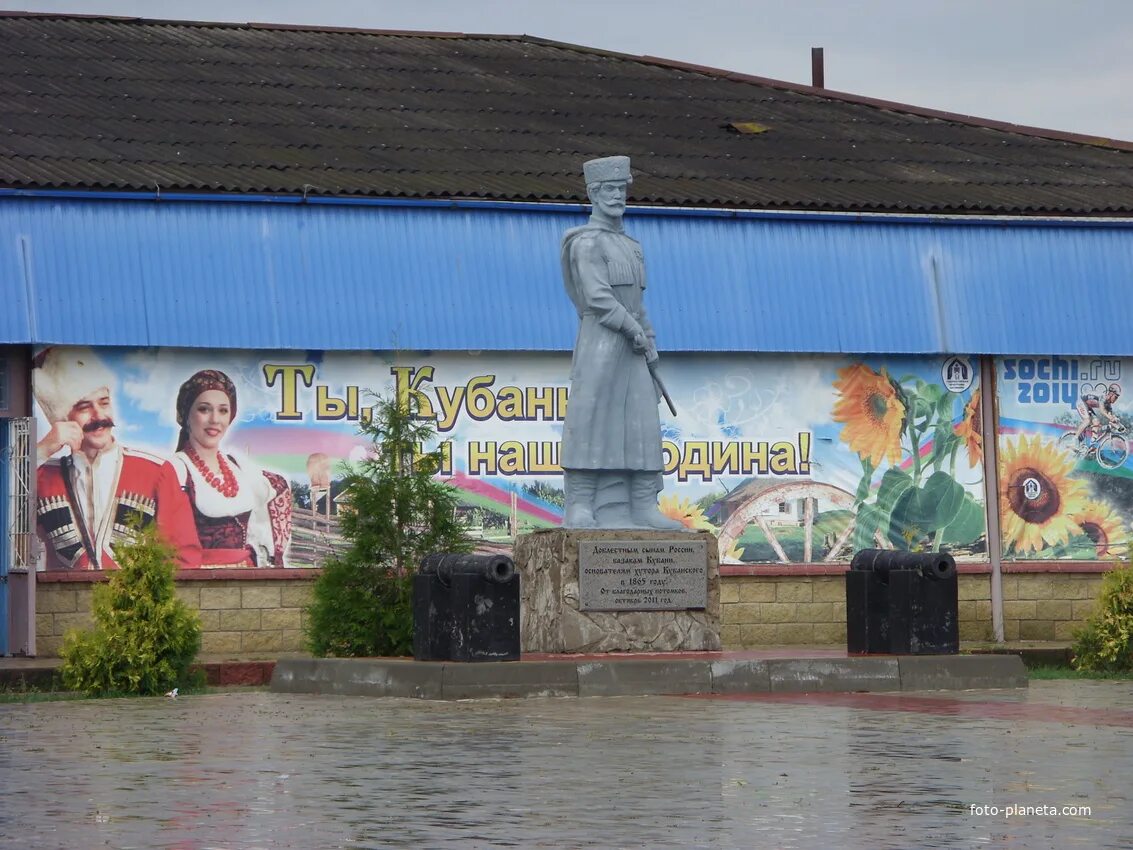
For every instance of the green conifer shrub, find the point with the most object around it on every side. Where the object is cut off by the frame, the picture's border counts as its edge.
(144, 638)
(397, 512)
(1105, 643)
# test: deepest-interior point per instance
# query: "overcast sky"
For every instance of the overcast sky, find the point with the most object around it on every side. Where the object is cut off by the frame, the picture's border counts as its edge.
(1058, 64)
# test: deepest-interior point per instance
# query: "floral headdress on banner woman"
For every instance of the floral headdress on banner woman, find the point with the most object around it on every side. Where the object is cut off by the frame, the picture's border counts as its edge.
(202, 381)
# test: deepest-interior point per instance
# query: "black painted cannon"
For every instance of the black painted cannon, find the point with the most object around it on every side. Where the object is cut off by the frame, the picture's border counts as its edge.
(495, 568)
(931, 565)
(902, 603)
(466, 608)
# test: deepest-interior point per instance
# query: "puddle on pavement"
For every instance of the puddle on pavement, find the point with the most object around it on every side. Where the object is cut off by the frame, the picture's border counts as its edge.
(251, 770)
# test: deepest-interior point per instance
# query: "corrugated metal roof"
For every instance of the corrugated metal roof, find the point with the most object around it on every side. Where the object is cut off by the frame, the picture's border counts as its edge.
(424, 277)
(129, 104)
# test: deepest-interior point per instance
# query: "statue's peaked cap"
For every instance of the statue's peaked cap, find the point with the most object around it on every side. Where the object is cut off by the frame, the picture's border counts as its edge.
(607, 168)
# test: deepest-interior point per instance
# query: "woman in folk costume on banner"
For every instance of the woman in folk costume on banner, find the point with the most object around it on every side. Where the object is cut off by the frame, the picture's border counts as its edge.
(243, 512)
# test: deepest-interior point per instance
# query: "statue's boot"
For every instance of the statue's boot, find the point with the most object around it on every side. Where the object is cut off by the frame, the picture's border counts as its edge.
(643, 491)
(611, 500)
(580, 486)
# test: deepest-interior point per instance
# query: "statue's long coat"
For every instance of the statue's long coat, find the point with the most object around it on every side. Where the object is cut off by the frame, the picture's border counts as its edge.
(612, 420)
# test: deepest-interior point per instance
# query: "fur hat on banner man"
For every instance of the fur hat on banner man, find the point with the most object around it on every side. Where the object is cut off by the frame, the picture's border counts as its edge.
(62, 375)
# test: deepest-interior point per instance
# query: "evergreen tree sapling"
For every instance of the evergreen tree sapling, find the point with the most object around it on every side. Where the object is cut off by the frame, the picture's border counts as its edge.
(144, 637)
(397, 512)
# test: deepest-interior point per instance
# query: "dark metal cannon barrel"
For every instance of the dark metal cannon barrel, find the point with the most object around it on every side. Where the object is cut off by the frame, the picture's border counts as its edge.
(934, 565)
(495, 568)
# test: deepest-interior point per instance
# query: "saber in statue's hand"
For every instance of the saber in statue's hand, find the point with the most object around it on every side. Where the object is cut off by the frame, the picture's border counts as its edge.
(643, 345)
(661, 387)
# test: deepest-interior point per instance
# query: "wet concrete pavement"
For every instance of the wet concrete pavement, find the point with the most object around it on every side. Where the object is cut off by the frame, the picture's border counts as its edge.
(263, 770)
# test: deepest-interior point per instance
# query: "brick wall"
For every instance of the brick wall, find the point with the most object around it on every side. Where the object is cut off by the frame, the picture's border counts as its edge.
(779, 610)
(1047, 606)
(238, 616)
(246, 614)
(776, 610)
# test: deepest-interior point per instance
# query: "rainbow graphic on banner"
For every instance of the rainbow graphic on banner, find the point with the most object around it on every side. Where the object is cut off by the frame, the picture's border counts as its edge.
(286, 450)
(485, 493)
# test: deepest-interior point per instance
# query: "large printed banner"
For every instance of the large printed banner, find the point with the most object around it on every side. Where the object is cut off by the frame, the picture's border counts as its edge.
(787, 459)
(1066, 481)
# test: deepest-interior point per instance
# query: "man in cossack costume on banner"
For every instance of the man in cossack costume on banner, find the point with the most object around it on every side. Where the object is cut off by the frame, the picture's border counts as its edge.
(86, 500)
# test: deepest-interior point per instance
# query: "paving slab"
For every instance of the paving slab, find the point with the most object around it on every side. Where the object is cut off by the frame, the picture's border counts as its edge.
(1034, 653)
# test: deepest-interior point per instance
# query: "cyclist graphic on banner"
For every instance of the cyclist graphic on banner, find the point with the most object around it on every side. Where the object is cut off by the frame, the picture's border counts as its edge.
(1093, 406)
(1099, 435)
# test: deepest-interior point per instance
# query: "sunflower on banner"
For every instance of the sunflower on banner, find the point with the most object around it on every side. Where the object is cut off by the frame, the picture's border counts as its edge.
(1103, 526)
(1049, 514)
(873, 411)
(970, 430)
(1038, 499)
(691, 516)
(906, 427)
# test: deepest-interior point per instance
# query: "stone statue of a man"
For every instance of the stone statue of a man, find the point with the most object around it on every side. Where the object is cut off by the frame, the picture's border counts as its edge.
(611, 447)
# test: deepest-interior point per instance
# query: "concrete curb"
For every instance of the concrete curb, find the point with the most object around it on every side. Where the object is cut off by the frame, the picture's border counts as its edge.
(637, 676)
(43, 673)
(836, 675)
(961, 672)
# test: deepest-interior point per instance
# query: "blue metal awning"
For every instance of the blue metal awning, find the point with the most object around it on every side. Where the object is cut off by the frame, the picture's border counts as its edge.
(444, 276)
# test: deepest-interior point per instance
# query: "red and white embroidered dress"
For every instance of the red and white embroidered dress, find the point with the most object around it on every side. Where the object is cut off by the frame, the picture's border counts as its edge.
(251, 528)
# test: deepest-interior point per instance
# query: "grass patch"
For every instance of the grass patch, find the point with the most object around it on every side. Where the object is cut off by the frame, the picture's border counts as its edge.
(25, 693)
(1046, 673)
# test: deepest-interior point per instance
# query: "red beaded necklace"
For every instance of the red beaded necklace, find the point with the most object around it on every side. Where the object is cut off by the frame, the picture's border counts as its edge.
(226, 487)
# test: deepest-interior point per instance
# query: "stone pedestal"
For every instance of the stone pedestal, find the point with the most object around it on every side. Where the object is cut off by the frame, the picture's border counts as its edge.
(550, 615)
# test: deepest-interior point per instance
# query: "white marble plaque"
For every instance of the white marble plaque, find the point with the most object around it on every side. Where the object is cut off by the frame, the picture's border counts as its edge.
(642, 575)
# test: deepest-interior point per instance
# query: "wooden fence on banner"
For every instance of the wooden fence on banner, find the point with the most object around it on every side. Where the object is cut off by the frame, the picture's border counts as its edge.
(314, 537)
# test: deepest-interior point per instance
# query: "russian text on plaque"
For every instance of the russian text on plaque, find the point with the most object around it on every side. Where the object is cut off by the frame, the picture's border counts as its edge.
(642, 575)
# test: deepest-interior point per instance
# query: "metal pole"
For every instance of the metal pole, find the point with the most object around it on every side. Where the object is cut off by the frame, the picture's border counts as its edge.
(34, 549)
(7, 530)
(991, 492)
